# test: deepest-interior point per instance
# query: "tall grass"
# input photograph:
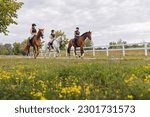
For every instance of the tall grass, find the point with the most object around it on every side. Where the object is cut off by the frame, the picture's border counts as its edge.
(74, 79)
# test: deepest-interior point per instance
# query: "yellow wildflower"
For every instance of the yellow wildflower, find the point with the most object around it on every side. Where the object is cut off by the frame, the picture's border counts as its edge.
(43, 98)
(130, 97)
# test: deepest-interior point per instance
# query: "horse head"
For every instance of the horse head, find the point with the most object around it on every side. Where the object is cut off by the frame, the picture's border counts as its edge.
(89, 35)
(41, 32)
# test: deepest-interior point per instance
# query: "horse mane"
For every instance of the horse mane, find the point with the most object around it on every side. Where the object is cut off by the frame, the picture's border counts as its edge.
(84, 34)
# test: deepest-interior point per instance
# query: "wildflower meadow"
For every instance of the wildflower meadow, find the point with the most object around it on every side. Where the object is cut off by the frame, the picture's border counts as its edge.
(74, 79)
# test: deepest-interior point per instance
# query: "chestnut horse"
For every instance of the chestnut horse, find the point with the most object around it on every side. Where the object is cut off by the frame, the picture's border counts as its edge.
(80, 43)
(35, 43)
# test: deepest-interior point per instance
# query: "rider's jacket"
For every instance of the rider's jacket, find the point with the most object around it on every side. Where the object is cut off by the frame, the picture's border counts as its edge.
(77, 33)
(52, 35)
(34, 30)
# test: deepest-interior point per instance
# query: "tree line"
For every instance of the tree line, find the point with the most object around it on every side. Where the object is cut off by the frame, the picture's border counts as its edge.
(115, 45)
(12, 49)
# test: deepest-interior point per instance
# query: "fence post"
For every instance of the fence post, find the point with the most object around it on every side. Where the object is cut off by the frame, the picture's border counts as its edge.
(145, 47)
(93, 51)
(123, 50)
(107, 51)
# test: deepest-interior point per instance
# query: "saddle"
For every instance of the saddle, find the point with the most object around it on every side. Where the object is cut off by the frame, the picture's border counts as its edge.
(75, 40)
(30, 41)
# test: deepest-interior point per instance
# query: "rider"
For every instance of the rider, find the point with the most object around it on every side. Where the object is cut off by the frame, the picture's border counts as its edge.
(76, 35)
(52, 37)
(33, 32)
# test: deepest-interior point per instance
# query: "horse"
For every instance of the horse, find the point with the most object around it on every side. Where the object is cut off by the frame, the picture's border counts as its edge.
(55, 45)
(80, 43)
(35, 43)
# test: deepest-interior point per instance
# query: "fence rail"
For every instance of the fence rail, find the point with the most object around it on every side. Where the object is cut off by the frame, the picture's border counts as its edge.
(111, 48)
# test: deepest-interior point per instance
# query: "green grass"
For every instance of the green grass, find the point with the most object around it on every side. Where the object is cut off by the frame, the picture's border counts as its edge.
(74, 79)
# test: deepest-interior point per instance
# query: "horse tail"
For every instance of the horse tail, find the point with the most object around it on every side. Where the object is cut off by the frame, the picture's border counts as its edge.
(25, 51)
(69, 47)
(68, 50)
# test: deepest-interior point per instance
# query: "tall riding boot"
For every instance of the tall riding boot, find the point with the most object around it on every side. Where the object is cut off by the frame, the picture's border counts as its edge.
(76, 42)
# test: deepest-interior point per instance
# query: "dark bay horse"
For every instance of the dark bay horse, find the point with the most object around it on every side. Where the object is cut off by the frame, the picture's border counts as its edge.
(80, 43)
(35, 43)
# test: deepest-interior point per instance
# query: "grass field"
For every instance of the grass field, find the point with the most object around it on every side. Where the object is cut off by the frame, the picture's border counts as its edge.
(26, 78)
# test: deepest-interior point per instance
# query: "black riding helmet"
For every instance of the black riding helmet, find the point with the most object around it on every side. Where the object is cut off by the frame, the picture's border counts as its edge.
(77, 28)
(52, 31)
(33, 24)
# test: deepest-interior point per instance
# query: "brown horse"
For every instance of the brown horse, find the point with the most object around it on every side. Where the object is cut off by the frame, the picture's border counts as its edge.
(80, 43)
(35, 43)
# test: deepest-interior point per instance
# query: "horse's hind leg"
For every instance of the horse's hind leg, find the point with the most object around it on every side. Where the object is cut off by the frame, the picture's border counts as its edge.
(75, 51)
(68, 50)
(28, 51)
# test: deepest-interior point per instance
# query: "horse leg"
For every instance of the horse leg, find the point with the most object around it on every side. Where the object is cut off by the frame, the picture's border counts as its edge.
(35, 52)
(59, 52)
(82, 51)
(38, 51)
(68, 50)
(75, 49)
(49, 52)
(28, 50)
(55, 52)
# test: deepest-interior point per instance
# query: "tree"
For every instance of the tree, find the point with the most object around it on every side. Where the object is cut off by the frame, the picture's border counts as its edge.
(17, 48)
(119, 42)
(5, 49)
(88, 43)
(8, 12)
(65, 41)
(8, 47)
(59, 33)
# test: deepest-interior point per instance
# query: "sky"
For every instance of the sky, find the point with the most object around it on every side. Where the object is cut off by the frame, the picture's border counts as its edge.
(109, 20)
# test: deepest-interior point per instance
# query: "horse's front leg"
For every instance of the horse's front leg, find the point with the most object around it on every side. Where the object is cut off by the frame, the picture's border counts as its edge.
(47, 52)
(35, 52)
(58, 52)
(38, 51)
(82, 51)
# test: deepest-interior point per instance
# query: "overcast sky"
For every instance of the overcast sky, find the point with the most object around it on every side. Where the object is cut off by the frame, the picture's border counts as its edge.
(109, 20)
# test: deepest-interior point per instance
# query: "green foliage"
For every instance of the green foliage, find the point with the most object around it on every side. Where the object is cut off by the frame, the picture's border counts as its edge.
(16, 48)
(119, 42)
(88, 43)
(65, 41)
(5, 49)
(59, 33)
(8, 48)
(8, 12)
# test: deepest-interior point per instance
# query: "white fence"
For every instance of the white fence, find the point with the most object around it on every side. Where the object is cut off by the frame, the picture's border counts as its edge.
(110, 48)
(123, 48)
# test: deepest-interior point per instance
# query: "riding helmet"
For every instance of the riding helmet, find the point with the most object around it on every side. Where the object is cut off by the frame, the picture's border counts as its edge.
(52, 30)
(77, 28)
(33, 24)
